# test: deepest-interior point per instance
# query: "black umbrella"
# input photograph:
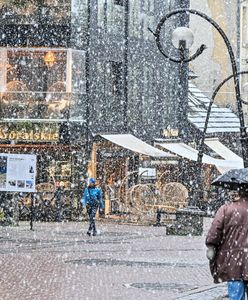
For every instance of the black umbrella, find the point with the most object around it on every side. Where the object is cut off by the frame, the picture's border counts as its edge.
(235, 179)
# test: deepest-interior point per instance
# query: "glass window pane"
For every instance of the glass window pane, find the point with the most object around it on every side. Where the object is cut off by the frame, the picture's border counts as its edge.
(34, 84)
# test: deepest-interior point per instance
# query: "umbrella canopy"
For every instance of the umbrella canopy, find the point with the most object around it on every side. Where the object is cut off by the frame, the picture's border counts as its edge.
(235, 179)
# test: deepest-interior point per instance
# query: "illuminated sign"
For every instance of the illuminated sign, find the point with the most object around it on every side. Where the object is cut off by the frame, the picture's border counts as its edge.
(30, 133)
(163, 162)
(169, 132)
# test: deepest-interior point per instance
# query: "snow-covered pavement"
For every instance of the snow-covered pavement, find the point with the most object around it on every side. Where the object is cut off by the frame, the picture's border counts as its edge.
(58, 261)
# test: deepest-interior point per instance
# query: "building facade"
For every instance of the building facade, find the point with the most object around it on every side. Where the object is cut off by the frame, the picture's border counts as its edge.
(73, 69)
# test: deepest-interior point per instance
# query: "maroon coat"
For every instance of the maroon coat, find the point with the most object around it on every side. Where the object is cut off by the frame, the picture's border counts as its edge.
(229, 235)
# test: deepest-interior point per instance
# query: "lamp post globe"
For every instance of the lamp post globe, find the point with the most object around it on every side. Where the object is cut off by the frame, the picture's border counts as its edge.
(182, 34)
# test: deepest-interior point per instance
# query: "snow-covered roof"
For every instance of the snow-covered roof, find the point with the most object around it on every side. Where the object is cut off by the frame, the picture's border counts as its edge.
(221, 119)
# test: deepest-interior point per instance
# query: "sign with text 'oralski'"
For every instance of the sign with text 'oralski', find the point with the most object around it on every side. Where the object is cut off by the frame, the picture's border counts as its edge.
(28, 132)
(17, 172)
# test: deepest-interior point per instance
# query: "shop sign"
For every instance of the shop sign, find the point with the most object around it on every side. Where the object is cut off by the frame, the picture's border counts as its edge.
(163, 162)
(169, 132)
(30, 132)
(114, 154)
(153, 163)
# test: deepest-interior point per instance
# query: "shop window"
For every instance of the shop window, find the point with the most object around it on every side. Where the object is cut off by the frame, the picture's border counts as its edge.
(36, 83)
(36, 70)
(60, 171)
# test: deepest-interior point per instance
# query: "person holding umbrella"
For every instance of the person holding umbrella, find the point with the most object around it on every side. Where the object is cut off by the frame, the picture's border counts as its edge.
(92, 200)
(227, 238)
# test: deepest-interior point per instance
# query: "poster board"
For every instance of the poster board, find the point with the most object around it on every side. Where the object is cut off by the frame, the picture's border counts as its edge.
(17, 172)
(148, 173)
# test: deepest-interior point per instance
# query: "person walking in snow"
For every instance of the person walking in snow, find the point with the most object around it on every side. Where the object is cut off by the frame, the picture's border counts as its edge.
(92, 200)
(227, 242)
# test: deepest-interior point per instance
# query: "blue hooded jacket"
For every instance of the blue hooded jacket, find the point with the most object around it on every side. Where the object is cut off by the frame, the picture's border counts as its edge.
(92, 196)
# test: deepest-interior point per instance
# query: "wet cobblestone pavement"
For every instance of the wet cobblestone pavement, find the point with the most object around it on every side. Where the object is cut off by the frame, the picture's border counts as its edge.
(58, 261)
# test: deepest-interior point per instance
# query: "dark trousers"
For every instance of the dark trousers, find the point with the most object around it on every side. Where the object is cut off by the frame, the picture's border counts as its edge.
(92, 217)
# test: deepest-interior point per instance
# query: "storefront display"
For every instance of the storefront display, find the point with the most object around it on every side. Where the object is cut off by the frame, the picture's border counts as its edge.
(57, 162)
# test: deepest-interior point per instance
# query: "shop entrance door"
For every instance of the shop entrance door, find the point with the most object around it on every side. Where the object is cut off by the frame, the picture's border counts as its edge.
(111, 172)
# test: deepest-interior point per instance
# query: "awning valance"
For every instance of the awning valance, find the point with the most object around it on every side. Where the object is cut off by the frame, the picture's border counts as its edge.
(134, 144)
(190, 153)
(222, 150)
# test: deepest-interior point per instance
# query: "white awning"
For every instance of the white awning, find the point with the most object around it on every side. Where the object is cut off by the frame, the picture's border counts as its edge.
(223, 169)
(185, 151)
(190, 153)
(134, 144)
(222, 150)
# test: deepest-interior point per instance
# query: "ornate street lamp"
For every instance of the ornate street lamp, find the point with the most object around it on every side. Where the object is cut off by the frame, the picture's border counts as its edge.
(185, 59)
(182, 39)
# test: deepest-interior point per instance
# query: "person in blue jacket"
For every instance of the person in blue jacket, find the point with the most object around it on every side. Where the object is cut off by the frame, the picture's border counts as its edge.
(92, 199)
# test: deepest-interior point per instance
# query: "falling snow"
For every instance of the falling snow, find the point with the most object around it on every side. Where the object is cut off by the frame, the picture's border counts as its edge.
(110, 116)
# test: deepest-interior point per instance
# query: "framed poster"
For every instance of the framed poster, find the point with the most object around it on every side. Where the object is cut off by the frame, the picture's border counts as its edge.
(17, 172)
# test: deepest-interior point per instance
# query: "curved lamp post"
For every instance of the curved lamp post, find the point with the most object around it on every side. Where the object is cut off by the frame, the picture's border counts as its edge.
(243, 133)
(185, 38)
(201, 144)
(182, 39)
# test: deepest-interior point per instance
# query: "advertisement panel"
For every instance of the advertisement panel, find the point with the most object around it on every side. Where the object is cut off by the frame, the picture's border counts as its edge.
(17, 172)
